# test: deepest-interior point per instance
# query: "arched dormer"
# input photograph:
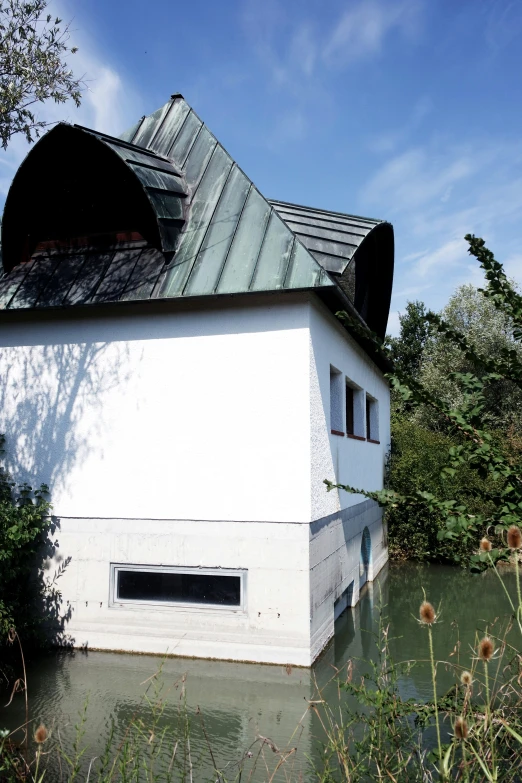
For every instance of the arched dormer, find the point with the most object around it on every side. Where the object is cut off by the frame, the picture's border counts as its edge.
(79, 188)
(357, 253)
(373, 262)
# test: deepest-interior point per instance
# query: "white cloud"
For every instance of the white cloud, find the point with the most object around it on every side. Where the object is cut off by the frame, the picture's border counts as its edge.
(436, 193)
(414, 178)
(299, 52)
(362, 29)
(439, 260)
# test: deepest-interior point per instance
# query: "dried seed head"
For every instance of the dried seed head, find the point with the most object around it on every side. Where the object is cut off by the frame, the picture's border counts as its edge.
(427, 613)
(461, 729)
(466, 679)
(40, 734)
(514, 537)
(485, 649)
(485, 545)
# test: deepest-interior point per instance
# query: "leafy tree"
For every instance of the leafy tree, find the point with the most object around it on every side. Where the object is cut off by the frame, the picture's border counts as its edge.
(407, 349)
(499, 489)
(33, 66)
(489, 331)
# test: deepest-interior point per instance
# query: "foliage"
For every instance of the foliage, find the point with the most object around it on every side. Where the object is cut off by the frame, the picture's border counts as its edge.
(24, 523)
(488, 330)
(498, 493)
(33, 66)
(407, 350)
(417, 462)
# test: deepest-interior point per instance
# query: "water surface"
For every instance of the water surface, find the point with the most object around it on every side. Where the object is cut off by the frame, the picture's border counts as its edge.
(239, 702)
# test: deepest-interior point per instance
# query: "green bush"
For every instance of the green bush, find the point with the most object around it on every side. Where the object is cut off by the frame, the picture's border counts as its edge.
(416, 464)
(24, 527)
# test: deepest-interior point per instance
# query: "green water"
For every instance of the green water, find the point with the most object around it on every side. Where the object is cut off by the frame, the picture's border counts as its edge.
(239, 702)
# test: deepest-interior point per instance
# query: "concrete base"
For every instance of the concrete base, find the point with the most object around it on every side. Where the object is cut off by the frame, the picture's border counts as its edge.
(299, 578)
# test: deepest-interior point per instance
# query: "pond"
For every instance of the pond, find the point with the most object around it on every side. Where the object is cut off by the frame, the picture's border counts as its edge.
(237, 701)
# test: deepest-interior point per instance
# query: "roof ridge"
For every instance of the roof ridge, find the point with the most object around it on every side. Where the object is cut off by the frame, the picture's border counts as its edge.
(325, 211)
(199, 243)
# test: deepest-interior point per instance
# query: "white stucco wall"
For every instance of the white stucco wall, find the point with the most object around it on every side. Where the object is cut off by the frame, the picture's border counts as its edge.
(198, 414)
(339, 458)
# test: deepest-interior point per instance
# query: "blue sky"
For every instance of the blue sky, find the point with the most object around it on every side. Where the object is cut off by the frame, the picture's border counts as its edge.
(408, 110)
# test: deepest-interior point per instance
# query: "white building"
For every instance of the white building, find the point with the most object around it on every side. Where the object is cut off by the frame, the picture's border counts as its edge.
(173, 368)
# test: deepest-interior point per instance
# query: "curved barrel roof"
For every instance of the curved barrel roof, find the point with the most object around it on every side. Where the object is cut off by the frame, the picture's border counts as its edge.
(209, 230)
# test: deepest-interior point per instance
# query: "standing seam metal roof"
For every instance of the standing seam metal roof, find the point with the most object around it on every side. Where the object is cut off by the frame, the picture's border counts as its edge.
(217, 233)
(331, 237)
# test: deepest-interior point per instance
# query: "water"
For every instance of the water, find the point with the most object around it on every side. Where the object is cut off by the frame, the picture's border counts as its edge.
(239, 702)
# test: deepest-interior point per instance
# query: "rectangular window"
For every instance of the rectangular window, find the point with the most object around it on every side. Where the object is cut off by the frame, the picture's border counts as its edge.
(354, 400)
(349, 410)
(174, 586)
(372, 419)
(336, 401)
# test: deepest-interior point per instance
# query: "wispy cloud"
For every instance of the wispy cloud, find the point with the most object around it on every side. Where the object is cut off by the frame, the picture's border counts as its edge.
(299, 52)
(361, 30)
(439, 260)
(390, 140)
(435, 194)
(416, 177)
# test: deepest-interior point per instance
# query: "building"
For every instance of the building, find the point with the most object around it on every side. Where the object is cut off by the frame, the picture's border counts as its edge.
(173, 368)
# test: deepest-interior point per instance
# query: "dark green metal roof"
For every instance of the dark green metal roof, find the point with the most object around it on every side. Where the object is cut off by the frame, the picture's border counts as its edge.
(331, 237)
(216, 233)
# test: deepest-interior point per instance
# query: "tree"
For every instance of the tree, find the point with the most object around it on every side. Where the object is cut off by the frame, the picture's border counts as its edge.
(473, 446)
(407, 349)
(489, 331)
(33, 66)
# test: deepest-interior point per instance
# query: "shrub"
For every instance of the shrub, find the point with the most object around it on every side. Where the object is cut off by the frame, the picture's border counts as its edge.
(416, 464)
(24, 526)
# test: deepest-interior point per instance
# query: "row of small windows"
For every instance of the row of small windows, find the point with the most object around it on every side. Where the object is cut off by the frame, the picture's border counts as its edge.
(353, 411)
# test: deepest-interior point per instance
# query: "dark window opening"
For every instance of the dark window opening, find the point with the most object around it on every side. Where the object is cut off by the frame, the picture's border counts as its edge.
(368, 418)
(349, 411)
(176, 587)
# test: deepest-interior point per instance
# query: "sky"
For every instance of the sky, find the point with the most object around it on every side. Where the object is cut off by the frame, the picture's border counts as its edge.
(404, 110)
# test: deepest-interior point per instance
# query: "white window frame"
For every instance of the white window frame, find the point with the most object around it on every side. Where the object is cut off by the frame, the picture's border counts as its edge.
(115, 601)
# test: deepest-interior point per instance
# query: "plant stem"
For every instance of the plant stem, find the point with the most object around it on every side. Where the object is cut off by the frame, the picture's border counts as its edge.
(434, 681)
(490, 722)
(519, 595)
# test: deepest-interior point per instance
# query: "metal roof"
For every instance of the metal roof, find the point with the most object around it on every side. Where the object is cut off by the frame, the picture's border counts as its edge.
(331, 237)
(216, 234)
